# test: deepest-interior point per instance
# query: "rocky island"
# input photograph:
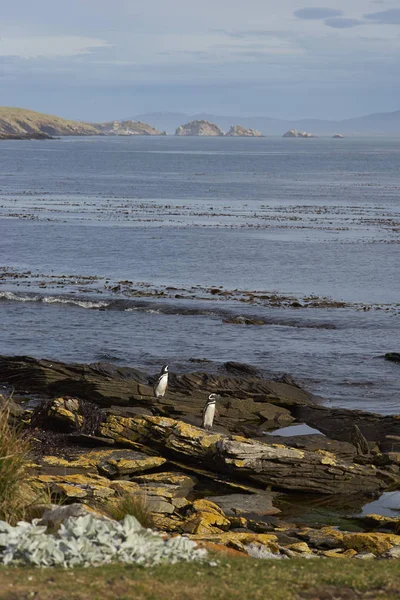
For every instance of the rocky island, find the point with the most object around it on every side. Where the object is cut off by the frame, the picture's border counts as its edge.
(205, 128)
(128, 128)
(199, 128)
(239, 131)
(338, 136)
(293, 133)
(99, 434)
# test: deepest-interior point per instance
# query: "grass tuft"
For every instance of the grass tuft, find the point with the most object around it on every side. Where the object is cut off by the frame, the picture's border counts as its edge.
(17, 496)
(126, 504)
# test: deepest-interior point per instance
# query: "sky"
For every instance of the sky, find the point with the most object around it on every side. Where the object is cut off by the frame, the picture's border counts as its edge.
(99, 60)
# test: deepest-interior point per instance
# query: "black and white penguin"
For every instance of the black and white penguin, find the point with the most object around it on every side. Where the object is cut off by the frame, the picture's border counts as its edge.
(209, 411)
(160, 386)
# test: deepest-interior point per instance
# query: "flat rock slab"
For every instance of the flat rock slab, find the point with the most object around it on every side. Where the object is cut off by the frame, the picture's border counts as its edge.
(110, 463)
(339, 424)
(176, 485)
(245, 504)
(267, 464)
(313, 442)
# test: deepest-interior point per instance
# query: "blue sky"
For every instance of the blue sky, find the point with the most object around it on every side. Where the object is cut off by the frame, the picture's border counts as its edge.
(105, 59)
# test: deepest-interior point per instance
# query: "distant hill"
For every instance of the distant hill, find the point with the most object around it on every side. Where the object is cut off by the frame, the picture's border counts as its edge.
(20, 121)
(375, 124)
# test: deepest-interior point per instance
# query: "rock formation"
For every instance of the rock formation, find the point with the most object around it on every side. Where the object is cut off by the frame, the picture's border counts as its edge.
(338, 136)
(199, 128)
(128, 128)
(293, 133)
(239, 131)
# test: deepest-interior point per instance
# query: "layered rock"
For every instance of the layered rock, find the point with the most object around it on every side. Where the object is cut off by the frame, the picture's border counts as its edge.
(265, 464)
(199, 128)
(240, 131)
(293, 133)
(242, 459)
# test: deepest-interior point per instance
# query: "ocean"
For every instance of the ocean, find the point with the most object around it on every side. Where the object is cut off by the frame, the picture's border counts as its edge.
(280, 253)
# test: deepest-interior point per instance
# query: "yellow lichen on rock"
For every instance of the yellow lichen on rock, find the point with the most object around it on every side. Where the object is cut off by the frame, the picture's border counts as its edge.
(204, 522)
(170, 523)
(377, 543)
(186, 432)
(235, 539)
(66, 409)
(237, 522)
(123, 487)
(327, 457)
(207, 506)
(127, 466)
(75, 486)
(111, 462)
(392, 523)
(332, 532)
(339, 553)
(300, 547)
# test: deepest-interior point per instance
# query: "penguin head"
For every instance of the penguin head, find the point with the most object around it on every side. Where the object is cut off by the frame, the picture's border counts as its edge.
(213, 397)
(164, 369)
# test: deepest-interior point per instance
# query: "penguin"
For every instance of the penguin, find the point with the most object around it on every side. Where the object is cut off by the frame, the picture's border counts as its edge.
(209, 411)
(160, 386)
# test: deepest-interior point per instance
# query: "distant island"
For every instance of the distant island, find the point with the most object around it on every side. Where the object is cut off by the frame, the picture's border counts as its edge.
(239, 131)
(205, 128)
(293, 133)
(128, 128)
(338, 136)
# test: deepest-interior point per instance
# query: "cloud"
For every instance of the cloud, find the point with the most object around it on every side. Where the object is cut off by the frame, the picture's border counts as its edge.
(49, 46)
(385, 17)
(317, 13)
(342, 23)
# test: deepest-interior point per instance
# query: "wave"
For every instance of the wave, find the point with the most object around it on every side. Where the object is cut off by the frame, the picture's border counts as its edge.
(51, 300)
(173, 308)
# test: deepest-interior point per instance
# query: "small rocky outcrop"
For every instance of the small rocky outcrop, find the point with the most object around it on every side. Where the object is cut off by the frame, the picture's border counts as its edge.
(199, 128)
(393, 357)
(26, 136)
(239, 131)
(293, 133)
(338, 136)
(128, 128)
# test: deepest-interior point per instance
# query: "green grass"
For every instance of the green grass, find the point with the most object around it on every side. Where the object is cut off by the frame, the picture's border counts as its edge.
(232, 579)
